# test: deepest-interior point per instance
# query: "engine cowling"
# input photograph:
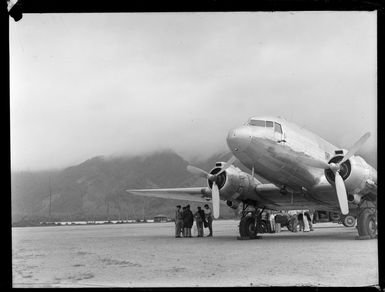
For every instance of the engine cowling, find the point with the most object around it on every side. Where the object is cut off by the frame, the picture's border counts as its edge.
(354, 199)
(355, 172)
(233, 183)
(232, 204)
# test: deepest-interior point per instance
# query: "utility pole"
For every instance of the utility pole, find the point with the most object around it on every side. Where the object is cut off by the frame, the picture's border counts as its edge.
(81, 199)
(50, 198)
(144, 216)
(108, 210)
(133, 211)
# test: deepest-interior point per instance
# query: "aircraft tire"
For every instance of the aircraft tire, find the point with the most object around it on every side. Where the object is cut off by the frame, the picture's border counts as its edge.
(247, 227)
(349, 221)
(367, 224)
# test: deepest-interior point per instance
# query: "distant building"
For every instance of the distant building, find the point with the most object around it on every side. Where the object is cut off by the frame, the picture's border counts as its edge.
(160, 218)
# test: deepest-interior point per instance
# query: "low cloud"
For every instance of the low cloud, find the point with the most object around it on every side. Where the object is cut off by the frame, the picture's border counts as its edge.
(101, 84)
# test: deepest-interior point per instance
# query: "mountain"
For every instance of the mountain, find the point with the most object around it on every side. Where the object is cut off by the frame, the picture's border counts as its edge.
(95, 189)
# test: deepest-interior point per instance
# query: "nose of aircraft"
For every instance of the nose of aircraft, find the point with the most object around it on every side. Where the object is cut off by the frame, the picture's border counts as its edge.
(239, 138)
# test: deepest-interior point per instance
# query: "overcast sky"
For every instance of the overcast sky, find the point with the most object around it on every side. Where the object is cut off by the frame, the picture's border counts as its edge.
(84, 85)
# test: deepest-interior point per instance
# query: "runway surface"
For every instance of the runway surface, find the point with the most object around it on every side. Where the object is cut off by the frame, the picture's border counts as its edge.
(148, 255)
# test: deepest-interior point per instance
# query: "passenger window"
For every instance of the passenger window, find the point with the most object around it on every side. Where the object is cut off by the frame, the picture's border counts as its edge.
(269, 124)
(257, 123)
(278, 128)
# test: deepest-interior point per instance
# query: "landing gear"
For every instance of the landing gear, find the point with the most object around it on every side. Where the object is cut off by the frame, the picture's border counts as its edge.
(247, 227)
(367, 224)
(348, 221)
(250, 223)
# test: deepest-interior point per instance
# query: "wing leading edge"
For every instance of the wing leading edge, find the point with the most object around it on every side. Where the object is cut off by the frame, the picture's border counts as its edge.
(198, 194)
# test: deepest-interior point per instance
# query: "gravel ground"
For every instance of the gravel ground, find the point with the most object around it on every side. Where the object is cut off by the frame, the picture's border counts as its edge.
(147, 255)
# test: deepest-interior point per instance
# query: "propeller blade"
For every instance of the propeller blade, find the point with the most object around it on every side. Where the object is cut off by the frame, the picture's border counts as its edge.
(227, 164)
(215, 199)
(197, 171)
(355, 147)
(341, 193)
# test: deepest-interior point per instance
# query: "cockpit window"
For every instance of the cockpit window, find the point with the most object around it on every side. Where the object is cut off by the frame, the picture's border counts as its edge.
(269, 124)
(278, 128)
(258, 123)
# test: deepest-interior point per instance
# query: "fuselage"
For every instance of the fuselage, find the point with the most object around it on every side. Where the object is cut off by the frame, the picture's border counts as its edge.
(274, 148)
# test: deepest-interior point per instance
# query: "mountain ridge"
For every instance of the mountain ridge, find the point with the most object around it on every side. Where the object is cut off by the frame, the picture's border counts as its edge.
(95, 188)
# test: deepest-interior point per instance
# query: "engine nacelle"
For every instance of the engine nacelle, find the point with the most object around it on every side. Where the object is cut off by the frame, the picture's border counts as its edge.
(233, 183)
(354, 199)
(232, 204)
(355, 172)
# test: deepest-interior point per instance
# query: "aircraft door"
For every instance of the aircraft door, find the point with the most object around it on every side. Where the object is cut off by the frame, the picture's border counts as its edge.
(278, 133)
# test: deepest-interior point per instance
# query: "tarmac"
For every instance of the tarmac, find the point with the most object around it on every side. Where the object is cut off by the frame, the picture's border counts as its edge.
(148, 255)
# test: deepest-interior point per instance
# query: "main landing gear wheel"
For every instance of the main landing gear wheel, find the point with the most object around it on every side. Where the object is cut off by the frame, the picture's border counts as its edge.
(247, 227)
(349, 221)
(367, 224)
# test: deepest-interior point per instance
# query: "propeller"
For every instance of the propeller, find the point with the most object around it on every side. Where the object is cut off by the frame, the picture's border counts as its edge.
(341, 193)
(355, 147)
(212, 177)
(215, 198)
(227, 164)
(335, 167)
(197, 171)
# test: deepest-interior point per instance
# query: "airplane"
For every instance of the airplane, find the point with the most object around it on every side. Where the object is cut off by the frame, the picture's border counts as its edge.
(304, 170)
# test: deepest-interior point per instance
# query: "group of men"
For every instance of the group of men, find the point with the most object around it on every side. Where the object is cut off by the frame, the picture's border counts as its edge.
(184, 220)
(301, 220)
(294, 220)
(304, 222)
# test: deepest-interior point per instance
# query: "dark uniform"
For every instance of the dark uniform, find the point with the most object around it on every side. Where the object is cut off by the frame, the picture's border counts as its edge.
(184, 221)
(300, 221)
(178, 221)
(189, 221)
(199, 217)
(294, 223)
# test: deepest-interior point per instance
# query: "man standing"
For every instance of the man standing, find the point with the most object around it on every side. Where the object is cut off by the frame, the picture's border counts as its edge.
(300, 221)
(199, 217)
(293, 222)
(209, 219)
(189, 221)
(184, 220)
(306, 227)
(308, 216)
(178, 221)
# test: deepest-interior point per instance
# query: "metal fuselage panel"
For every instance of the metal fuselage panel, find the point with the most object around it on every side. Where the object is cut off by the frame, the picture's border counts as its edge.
(277, 161)
(276, 157)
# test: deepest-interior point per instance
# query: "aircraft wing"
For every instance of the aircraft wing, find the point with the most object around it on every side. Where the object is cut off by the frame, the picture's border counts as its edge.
(270, 196)
(198, 194)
